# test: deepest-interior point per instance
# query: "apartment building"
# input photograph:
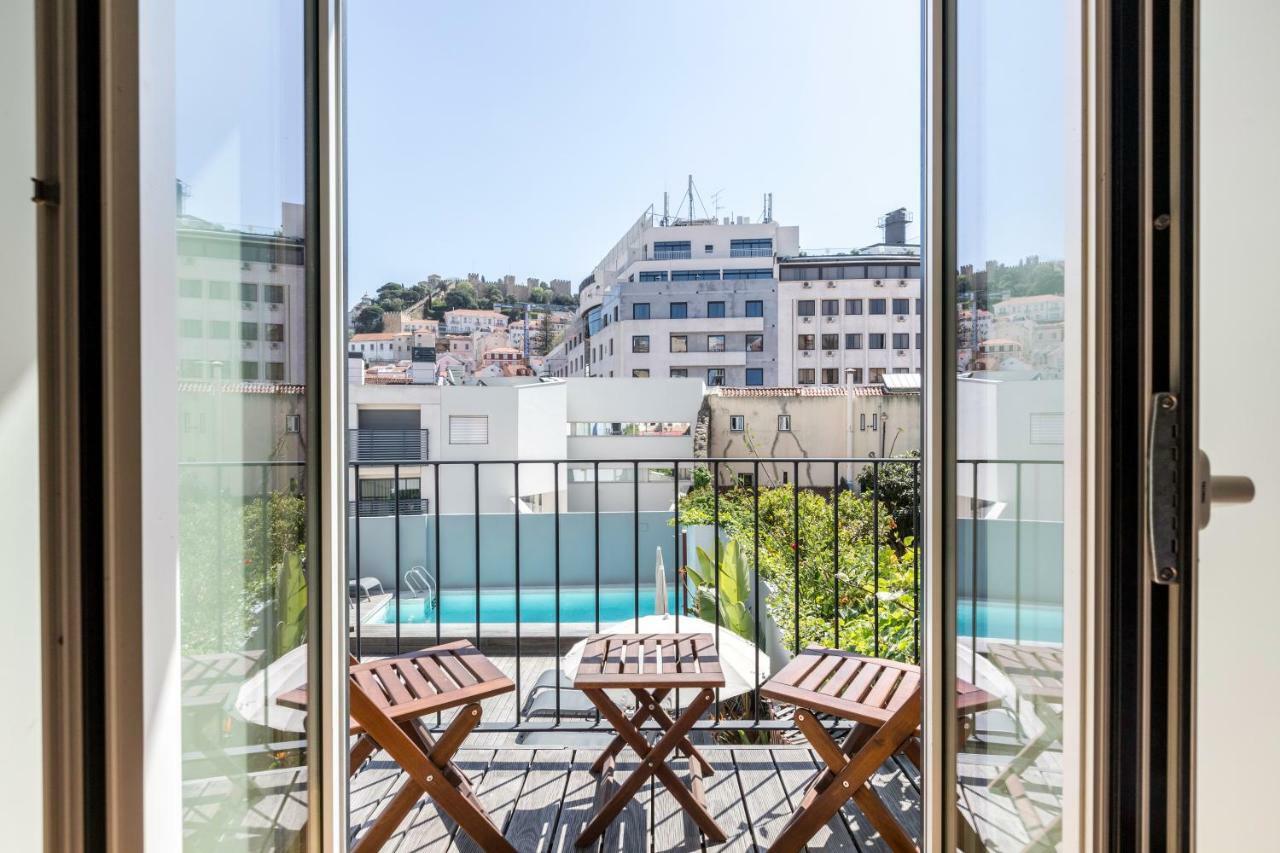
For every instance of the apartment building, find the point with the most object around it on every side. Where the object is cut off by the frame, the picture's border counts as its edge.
(464, 321)
(241, 297)
(389, 346)
(851, 319)
(688, 299)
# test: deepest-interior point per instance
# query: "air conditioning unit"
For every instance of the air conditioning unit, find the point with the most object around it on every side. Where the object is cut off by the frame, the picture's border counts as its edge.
(275, 345)
(831, 284)
(247, 306)
(806, 353)
(275, 267)
(902, 319)
(902, 283)
(829, 352)
(246, 344)
(806, 319)
(879, 283)
(831, 319)
(806, 285)
(275, 306)
(244, 265)
(902, 352)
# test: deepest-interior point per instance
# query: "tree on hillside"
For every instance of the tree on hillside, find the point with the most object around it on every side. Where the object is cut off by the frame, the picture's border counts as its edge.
(540, 296)
(544, 329)
(492, 294)
(368, 319)
(462, 295)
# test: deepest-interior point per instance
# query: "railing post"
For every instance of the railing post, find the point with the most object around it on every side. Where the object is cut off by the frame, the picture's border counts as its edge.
(715, 567)
(973, 582)
(635, 534)
(555, 484)
(475, 466)
(795, 548)
(875, 555)
(359, 639)
(515, 508)
(835, 548)
(756, 605)
(395, 493)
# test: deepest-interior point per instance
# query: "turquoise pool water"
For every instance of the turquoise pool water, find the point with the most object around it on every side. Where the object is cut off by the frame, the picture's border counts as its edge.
(995, 619)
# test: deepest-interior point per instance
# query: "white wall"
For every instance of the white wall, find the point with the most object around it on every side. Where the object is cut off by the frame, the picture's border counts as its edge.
(1239, 671)
(20, 787)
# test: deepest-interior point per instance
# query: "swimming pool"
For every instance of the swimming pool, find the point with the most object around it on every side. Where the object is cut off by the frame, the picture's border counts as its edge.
(995, 619)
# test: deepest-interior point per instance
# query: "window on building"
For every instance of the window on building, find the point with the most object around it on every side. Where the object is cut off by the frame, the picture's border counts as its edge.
(830, 307)
(190, 328)
(248, 370)
(190, 368)
(901, 306)
(741, 275)
(755, 375)
(853, 341)
(901, 340)
(639, 343)
(219, 290)
(853, 375)
(248, 331)
(248, 292)
(830, 342)
(755, 308)
(708, 248)
(862, 421)
(757, 248)
(715, 376)
(219, 329)
(293, 423)
(695, 275)
(804, 308)
(679, 343)
(737, 423)
(715, 309)
(830, 376)
(640, 311)
(919, 306)
(877, 306)
(468, 429)
(275, 371)
(805, 376)
(784, 423)
(745, 481)
(875, 340)
(679, 373)
(715, 343)
(804, 342)
(654, 276)
(679, 310)
(274, 331)
(755, 343)
(919, 341)
(273, 293)
(640, 373)
(875, 420)
(877, 375)
(192, 287)
(671, 250)
(853, 306)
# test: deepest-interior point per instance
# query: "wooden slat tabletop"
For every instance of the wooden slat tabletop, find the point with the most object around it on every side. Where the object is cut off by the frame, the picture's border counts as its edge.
(650, 661)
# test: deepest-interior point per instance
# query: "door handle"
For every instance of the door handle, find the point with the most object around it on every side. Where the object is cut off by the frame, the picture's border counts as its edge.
(1223, 489)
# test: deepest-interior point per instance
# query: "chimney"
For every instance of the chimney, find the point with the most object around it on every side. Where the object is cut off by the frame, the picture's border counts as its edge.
(894, 224)
(355, 368)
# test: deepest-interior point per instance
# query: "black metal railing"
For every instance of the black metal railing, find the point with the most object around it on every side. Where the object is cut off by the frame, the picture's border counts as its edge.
(387, 445)
(528, 569)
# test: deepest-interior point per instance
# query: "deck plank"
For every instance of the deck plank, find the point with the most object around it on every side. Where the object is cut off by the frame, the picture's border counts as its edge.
(498, 792)
(427, 828)
(579, 803)
(629, 831)
(763, 793)
(796, 769)
(724, 801)
(533, 821)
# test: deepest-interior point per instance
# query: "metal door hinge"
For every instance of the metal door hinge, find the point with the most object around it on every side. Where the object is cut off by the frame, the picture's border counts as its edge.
(45, 192)
(1163, 489)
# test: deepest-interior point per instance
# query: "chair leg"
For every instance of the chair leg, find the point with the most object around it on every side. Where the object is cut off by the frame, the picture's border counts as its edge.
(1028, 754)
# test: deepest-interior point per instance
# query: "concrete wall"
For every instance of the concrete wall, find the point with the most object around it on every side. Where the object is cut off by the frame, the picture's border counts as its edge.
(20, 715)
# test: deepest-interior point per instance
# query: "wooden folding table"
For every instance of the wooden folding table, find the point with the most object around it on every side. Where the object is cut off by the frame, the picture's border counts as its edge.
(651, 666)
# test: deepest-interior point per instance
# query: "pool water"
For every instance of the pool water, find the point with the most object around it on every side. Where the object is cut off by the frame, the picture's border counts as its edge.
(995, 619)
(577, 604)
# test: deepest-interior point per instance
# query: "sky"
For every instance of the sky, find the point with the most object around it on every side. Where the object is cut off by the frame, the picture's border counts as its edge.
(522, 138)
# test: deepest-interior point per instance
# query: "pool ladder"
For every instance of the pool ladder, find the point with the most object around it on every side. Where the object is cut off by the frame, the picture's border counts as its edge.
(419, 582)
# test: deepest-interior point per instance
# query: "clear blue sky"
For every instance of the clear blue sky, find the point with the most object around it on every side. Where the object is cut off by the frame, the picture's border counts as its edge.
(502, 137)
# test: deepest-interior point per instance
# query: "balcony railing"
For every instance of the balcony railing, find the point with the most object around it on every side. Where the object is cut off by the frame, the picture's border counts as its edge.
(387, 445)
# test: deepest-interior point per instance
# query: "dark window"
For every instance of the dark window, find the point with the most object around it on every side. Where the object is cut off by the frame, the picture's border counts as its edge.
(853, 341)
(854, 375)
(653, 276)
(919, 306)
(715, 376)
(708, 249)
(877, 272)
(919, 341)
(739, 275)
(679, 310)
(737, 423)
(832, 272)
(761, 248)
(755, 308)
(804, 308)
(755, 343)
(639, 343)
(901, 340)
(830, 307)
(275, 371)
(640, 311)
(830, 341)
(853, 306)
(805, 376)
(696, 275)
(784, 423)
(248, 292)
(804, 342)
(671, 250)
(679, 343)
(755, 375)
(715, 309)
(248, 370)
(219, 290)
(248, 331)
(877, 306)
(273, 293)
(875, 341)
(640, 373)
(274, 331)
(715, 343)
(830, 376)
(902, 306)
(679, 373)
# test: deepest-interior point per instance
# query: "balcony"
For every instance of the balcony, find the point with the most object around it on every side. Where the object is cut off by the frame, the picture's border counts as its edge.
(828, 553)
(387, 445)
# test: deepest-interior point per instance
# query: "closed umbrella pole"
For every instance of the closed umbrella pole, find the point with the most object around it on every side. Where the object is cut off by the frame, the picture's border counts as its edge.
(660, 586)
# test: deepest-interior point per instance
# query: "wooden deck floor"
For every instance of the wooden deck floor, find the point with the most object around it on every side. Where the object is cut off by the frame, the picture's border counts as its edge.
(538, 788)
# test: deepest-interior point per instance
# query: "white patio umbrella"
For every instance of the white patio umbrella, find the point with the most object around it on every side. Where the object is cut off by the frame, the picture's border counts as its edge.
(660, 586)
(256, 698)
(739, 658)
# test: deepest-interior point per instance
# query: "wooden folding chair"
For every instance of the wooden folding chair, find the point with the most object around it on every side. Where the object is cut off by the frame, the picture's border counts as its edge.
(387, 698)
(884, 698)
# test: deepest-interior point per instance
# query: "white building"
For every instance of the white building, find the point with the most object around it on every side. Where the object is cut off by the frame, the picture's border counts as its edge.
(389, 346)
(241, 299)
(1049, 308)
(464, 321)
(849, 319)
(691, 299)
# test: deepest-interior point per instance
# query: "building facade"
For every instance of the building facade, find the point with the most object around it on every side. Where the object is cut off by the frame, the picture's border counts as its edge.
(464, 321)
